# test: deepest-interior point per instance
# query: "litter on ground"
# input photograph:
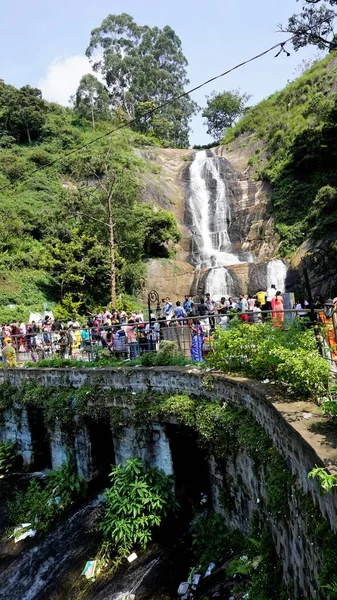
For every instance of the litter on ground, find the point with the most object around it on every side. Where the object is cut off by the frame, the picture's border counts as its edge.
(209, 569)
(183, 588)
(89, 569)
(23, 531)
(132, 557)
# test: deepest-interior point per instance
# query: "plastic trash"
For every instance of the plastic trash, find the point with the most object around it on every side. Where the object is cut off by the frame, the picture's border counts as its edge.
(209, 569)
(185, 596)
(183, 588)
(132, 557)
(306, 415)
(89, 569)
(23, 531)
(195, 580)
(55, 500)
(265, 381)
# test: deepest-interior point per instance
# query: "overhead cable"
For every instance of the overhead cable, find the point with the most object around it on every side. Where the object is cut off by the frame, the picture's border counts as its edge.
(147, 114)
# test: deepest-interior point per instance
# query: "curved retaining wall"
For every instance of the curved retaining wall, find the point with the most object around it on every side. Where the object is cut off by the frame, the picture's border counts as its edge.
(299, 454)
(301, 561)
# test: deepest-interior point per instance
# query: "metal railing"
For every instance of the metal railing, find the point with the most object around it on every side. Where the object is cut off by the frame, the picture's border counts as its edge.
(138, 338)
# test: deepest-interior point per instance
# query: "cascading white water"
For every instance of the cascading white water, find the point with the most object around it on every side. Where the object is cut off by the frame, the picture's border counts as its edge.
(210, 210)
(276, 274)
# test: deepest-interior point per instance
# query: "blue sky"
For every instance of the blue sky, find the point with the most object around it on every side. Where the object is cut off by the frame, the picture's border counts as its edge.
(42, 42)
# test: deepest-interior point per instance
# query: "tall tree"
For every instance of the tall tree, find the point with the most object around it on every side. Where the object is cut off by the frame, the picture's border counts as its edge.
(222, 110)
(314, 24)
(22, 112)
(143, 68)
(92, 99)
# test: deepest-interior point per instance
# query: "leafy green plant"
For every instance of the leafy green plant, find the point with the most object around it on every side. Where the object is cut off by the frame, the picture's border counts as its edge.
(325, 480)
(263, 350)
(135, 504)
(332, 589)
(8, 457)
(44, 501)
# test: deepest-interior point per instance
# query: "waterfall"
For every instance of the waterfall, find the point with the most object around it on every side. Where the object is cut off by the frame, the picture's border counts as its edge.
(211, 216)
(276, 274)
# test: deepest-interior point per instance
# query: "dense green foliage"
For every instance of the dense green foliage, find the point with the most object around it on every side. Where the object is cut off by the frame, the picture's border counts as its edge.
(135, 504)
(223, 110)
(143, 67)
(314, 24)
(45, 500)
(8, 457)
(295, 131)
(53, 231)
(263, 351)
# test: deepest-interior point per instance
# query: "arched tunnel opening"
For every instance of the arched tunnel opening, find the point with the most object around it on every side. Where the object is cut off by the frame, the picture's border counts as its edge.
(102, 450)
(191, 470)
(40, 439)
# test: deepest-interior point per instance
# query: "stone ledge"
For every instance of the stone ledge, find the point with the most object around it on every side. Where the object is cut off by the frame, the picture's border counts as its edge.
(300, 440)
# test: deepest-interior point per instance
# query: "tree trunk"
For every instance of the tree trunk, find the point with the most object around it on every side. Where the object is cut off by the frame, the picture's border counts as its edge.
(92, 117)
(28, 135)
(112, 255)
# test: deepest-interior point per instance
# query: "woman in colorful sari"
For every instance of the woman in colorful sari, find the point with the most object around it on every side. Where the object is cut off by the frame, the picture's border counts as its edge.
(197, 342)
(277, 308)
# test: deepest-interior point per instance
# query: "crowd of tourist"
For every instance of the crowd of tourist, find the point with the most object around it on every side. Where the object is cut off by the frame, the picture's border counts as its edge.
(128, 335)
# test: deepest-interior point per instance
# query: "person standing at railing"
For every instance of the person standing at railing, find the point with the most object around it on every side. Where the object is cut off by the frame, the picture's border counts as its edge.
(187, 305)
(85, 338)
(277, 308)
(299, 306)
(56, 326)
(271, 291)
(251, 302)
(221, 307)
(261, 297)
(142, 339)
(8, 354)
(243, 303)
(167, 310)
(179, 313)
(211, 304)
(153, 333)
(257, 314)
(64, 343)
(131, 333)
(15, 335)
(106, 317)
(197, 342)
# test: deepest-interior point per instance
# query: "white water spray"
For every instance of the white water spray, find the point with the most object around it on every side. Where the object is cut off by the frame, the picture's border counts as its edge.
(276, 274)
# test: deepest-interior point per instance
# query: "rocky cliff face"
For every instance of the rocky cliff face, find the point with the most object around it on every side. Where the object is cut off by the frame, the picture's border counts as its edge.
(249, 228)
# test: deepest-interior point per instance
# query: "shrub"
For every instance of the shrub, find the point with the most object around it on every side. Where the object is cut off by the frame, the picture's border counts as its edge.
(43, 502)
(263, 350)
(135, 504)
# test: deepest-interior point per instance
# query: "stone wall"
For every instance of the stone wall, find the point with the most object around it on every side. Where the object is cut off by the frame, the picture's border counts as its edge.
(300, 558)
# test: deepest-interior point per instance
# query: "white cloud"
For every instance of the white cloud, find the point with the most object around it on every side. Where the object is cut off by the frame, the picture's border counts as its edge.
(62, 78)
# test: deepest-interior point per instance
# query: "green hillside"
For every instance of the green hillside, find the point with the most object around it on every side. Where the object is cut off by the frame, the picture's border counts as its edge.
(53, 225)
(295, 135)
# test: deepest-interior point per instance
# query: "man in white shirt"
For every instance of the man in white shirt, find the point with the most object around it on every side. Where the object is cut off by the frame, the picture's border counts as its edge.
(271, 291)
